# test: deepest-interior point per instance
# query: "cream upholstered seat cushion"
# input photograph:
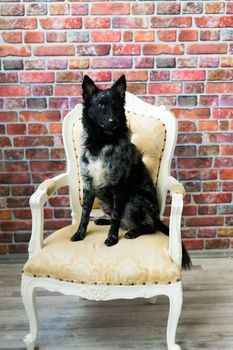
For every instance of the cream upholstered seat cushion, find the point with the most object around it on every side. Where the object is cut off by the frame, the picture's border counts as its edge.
(143, 260)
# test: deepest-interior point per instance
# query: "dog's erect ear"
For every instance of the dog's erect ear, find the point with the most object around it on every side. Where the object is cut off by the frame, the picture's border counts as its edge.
(88, 87)
(120, 86)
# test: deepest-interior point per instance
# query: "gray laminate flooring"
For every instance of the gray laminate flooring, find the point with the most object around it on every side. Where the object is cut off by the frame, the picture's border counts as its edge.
(71, 323)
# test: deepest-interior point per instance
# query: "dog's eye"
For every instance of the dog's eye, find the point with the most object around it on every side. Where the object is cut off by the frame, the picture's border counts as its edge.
(101, 105)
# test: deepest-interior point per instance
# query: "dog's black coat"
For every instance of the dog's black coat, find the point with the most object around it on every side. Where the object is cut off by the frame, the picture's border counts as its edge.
(112, 169)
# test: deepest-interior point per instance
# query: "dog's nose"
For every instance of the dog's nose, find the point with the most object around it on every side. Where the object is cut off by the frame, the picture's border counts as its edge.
(111, 122)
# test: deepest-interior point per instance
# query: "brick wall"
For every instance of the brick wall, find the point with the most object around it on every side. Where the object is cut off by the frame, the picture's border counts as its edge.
(173, 53)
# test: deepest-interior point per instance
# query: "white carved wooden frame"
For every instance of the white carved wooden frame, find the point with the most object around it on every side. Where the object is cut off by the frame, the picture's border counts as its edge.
(107, 292)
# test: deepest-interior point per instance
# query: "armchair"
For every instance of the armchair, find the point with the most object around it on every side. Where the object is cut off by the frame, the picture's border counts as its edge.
(145, 267)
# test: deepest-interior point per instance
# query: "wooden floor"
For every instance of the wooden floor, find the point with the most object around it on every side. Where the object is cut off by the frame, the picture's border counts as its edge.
(69, 323)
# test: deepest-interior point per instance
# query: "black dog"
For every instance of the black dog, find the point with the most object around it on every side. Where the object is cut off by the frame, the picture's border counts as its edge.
(112, 169)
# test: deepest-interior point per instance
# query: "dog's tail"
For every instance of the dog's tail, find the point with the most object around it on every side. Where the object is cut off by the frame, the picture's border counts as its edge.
(186, 260)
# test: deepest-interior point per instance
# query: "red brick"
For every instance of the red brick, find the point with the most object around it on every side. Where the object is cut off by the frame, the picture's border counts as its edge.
(68, 77)
(209, 35)
(160, 75)
(192, 7)
(11, 50)
(211, 61)
(42, 90)
(168, 8)
(36, 77)
(8, 77)
(194, 113)
(55, 128)
(126, 49)
(165, 88)
(131, 75)
(217, 243)
(105, 36)
(12, 10)
(188, 35)
(14, 154)
(18, 248)
(188, 75)
(208, 125)
(61, 201)
(36, 9)
(3, 249)
(58, 103)
(208, 150)
(229, 7)
(29, 141)
(223, 113)
(16, 166)
(220, 74)
(206, 232)
(226, 174)
(79, 9)
(209, 101)
(206, 48)
(93, 50)
(225, 232)
(57, 63)
(128, 35)
(12, 37)
(34, 37)
(144, 62)
(171, 21)
(68, 90)
(125, 62)
(20, 190)
(227, 150)
(144, 35)
(214, 21)
(58, 37)
(37, 129)
(158, 49)
(101, 75)
(5, 142)
(117, 8)
(37, 64)
(137, 89)
(61, 23)
(19, 23)
(130, 22)
(14, 90)
(44, 116)
(192, 244)
(213, 198)
(54, 50)
(143, 8)
(13, 178)
(41, 153)
(59, 9)
(207, 209)
(186, 163)
(215, 7)
(96, 22)
(16, 129)
(205, 221)
(219, 87)
(166, 35)
(47, 166)
(190, 88)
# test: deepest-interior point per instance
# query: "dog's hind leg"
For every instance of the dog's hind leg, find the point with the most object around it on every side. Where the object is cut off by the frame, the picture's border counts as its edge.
(103, 221)
(134, 233)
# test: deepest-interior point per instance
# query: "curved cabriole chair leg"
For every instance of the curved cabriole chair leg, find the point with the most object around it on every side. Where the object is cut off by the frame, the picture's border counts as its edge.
(29, 301)
(176, 299)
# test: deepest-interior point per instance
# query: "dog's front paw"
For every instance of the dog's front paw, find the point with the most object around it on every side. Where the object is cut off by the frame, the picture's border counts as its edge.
(111, 240)
(78, 236)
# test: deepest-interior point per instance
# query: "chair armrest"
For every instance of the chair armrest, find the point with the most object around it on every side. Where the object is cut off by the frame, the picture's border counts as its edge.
(177, 193)
(37, 202)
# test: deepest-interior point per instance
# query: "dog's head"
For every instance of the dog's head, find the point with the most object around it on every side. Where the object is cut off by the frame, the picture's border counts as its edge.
(104, 109)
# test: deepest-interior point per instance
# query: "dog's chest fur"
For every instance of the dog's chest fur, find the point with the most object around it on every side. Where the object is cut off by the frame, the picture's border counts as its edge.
(97, 170)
